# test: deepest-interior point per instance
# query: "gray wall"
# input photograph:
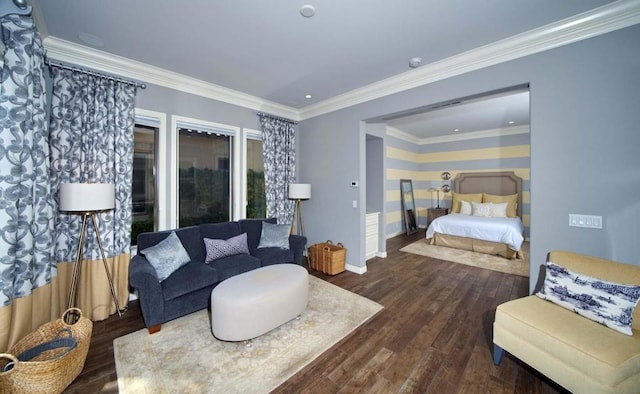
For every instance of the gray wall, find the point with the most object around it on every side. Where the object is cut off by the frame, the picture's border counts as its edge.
(584, 148)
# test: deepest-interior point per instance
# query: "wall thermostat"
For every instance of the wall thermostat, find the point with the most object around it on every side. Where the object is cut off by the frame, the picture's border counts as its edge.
(354, 184)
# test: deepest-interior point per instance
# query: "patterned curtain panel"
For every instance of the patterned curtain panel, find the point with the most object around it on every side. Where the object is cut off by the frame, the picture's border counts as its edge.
(26, 204)
(92, 121)
(278, 144)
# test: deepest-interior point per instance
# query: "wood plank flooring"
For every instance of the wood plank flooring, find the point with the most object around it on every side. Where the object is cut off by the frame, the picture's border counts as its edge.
(433, 335)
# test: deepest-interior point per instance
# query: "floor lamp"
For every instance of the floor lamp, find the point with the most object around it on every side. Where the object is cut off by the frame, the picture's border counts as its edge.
(299, 192)
(87, 199)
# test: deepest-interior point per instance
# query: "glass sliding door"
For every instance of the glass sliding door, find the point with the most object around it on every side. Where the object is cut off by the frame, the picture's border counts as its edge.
(144, 182)
(204, 177)
(256, 206)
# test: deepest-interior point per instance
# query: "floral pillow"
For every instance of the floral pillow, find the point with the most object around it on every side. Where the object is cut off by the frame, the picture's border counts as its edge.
(608, 303)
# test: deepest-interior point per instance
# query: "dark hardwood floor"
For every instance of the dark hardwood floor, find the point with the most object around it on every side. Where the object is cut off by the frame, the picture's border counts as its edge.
(433, 335)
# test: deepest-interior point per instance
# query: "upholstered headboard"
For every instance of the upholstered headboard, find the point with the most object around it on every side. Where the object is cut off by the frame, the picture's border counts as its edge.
(501, 183)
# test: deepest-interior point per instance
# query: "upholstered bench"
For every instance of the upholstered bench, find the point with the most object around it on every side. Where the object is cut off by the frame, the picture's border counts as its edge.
(251, 304)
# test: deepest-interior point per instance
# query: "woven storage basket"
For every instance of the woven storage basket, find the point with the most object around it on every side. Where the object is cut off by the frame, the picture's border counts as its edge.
(327, 257)
(46, 373)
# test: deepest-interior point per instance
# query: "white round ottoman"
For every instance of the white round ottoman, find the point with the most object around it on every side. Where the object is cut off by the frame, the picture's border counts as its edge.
(253, 303)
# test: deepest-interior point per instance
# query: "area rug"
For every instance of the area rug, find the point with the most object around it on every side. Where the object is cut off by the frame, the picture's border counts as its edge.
(494, 263)
(185, 357)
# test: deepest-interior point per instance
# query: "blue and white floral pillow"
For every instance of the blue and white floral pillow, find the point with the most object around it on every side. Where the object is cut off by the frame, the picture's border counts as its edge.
(608, 303)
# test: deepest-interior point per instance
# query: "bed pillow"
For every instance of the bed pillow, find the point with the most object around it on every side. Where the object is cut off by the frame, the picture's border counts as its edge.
(608, 303)
(274, 236)
(481, 209)
(511, 200)
(498, 210)
(465, 207)
(218, 248)
(166, 256)
(457, 197)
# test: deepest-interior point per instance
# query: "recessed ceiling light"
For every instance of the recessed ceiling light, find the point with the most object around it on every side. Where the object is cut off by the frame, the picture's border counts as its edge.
(512, 121)
(415, 62)
(307, 11)
(456, 129)
(307, 96)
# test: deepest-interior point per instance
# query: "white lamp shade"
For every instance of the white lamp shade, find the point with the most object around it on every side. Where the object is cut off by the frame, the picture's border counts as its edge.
(85, 197)
(299, 191)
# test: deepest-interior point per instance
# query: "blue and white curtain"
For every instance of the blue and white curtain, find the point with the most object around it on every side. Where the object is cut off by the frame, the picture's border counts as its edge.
(278, 146)
(91, 122)
(26, 203)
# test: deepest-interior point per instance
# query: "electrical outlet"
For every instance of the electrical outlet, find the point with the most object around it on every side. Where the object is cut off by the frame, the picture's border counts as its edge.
(587, 221)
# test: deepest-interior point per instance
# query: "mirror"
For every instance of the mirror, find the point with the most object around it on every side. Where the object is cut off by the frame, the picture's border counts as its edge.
(408, 206)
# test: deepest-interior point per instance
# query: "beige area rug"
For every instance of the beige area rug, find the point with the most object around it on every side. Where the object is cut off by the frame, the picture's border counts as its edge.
(495, 263)
(185, 357)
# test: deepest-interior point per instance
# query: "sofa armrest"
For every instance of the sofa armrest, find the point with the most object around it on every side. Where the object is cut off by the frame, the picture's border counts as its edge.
(297, 243)
(143, 278)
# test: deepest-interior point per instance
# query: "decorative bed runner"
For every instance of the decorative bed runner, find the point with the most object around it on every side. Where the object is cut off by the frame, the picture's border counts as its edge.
(185, 357)
(494, 263)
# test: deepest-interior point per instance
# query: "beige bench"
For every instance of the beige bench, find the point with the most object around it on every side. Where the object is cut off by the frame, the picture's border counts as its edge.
(579, 354)
(253, 303)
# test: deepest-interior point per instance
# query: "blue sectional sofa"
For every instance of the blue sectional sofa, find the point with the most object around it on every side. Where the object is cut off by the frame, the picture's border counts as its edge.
(189, 288)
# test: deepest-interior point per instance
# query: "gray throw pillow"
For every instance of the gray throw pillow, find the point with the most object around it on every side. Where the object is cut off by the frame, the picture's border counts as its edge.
(218, 248)
(274, 236)
(167, 256)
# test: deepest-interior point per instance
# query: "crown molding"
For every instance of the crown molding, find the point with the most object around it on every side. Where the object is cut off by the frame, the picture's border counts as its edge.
(392, 131)
(82, 56)
(601, 20)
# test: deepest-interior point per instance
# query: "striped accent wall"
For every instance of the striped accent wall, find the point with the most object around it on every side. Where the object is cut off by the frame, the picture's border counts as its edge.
(424, 163)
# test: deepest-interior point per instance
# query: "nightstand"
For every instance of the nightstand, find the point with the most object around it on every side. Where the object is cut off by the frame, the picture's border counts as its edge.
(433, 213)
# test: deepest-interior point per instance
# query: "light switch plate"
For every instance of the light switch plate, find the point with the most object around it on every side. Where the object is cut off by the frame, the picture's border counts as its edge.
(586, 221)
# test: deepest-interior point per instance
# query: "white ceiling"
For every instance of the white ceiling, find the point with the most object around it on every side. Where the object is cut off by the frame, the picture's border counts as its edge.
(269, 50)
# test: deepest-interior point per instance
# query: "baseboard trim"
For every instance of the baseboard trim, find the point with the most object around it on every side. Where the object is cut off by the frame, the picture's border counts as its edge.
(356, 269)
(382, 254)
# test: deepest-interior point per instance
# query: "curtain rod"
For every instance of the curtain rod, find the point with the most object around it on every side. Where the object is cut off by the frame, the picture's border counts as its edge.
(97, 74)
(277, 117)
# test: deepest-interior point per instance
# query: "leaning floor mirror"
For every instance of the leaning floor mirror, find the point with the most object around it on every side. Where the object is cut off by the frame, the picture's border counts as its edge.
(408, 206)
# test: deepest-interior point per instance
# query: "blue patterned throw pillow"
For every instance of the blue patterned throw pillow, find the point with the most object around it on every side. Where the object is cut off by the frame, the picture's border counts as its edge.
(608, 303)
(275, 236)
(218, 248)
(167, 256)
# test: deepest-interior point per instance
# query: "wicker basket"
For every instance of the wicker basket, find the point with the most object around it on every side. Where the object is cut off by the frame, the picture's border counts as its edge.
(53, 370)
(327, 257)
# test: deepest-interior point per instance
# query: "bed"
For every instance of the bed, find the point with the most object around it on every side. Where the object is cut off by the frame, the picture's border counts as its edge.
(498, 236)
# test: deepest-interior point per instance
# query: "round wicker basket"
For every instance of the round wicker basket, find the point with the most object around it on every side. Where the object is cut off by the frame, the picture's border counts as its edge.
(53, 370)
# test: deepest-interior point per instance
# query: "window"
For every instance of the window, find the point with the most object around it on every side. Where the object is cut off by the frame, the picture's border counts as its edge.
(204, 177)
(256, 204)
(144, 185)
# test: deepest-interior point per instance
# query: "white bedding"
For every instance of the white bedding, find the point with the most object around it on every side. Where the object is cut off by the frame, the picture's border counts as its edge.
(503, 230)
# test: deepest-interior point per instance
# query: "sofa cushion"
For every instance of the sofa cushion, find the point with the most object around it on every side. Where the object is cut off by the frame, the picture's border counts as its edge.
(253, 228)
(538, 331)
(275, 236)
(188, 278)
(166, 256)
(189, 237)
(269, 256)
(607, 303)
(227, 267)
(218, 248)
